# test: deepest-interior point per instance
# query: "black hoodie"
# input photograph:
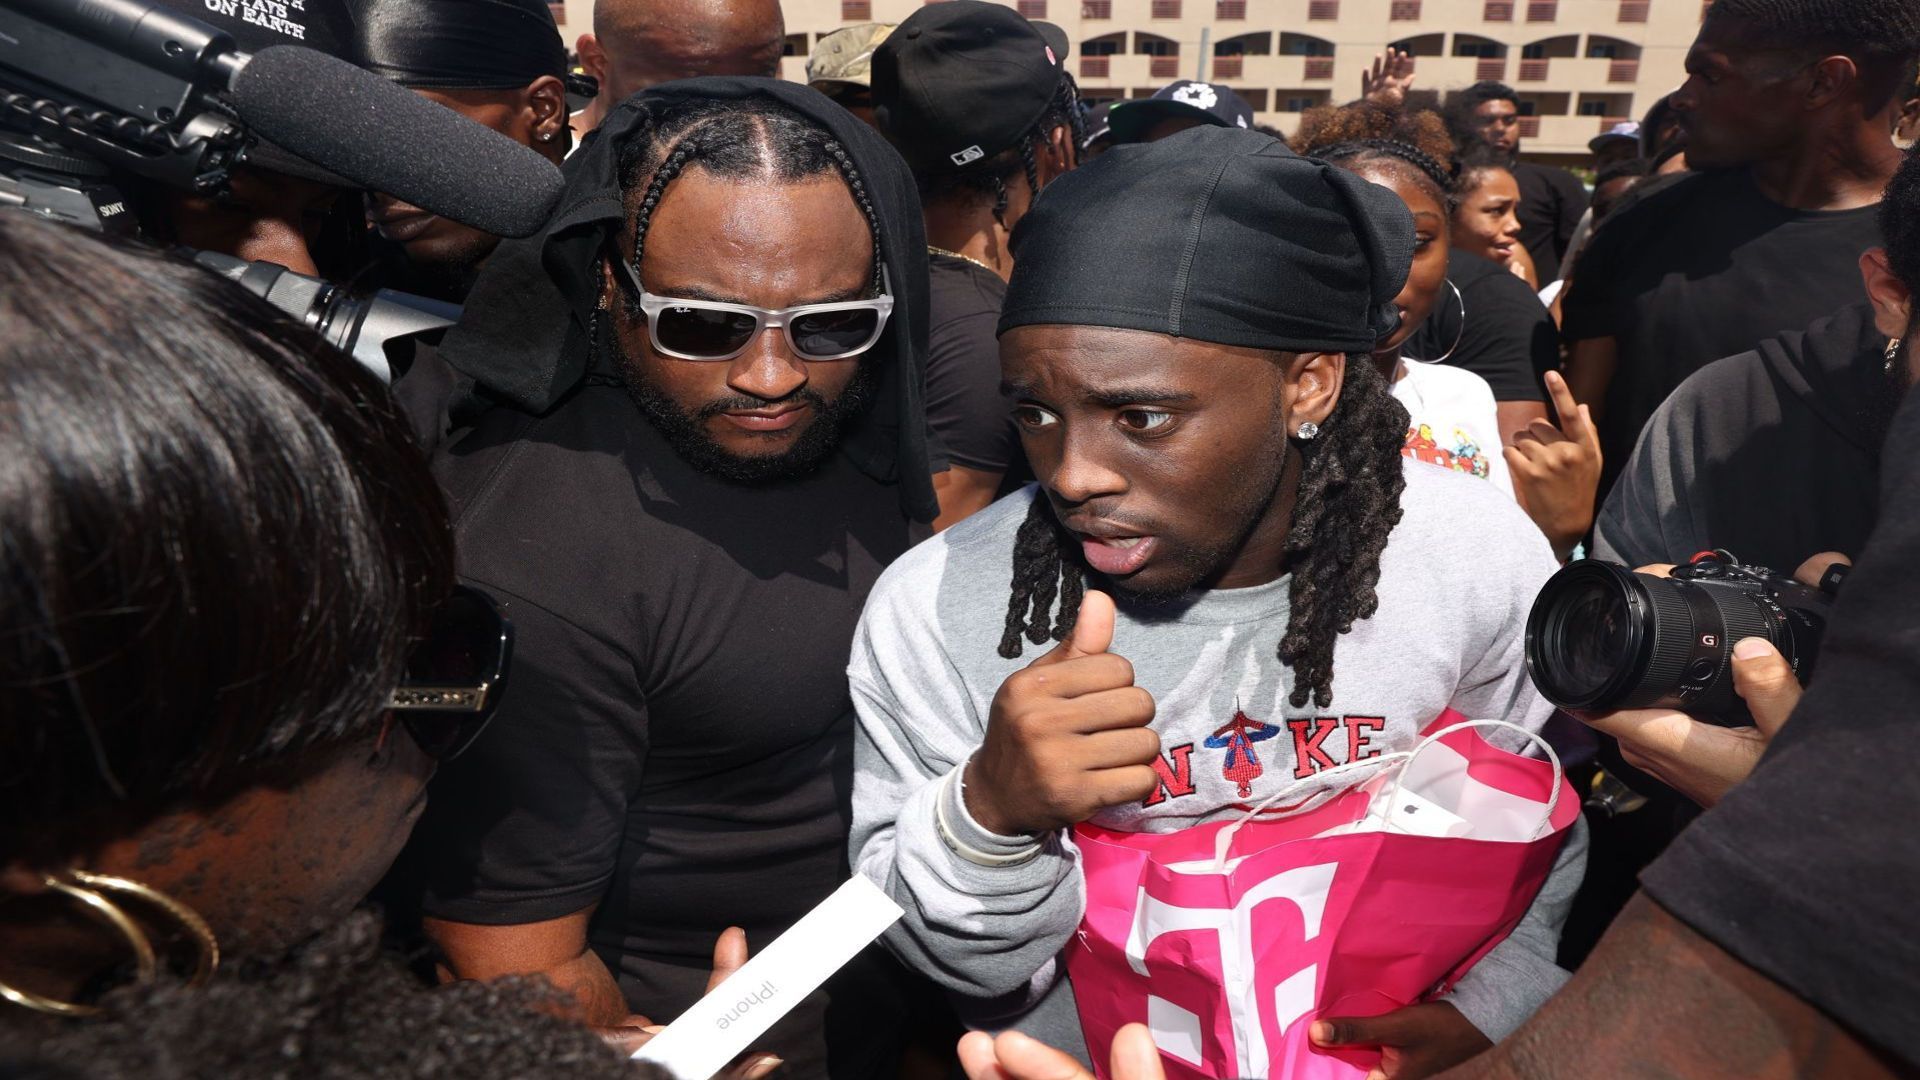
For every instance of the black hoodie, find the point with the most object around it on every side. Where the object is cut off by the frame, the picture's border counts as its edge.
(524, 337)
(1772, 454)
(675, 750)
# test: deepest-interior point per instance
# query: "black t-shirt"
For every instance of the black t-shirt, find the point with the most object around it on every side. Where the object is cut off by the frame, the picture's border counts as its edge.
(1702, 269)
(1552, 201)
(676, 739)
(965, 408)
(1808, 871)
(1508, 338)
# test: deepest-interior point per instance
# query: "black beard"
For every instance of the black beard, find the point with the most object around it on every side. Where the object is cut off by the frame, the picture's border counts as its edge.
(686, 432)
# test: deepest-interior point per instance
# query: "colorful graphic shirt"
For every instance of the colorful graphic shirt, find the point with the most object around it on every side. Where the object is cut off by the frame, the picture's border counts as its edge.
(1454, 423)
(925, 667)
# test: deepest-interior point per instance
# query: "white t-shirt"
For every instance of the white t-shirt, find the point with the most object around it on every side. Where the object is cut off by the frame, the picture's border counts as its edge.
(1453, 422)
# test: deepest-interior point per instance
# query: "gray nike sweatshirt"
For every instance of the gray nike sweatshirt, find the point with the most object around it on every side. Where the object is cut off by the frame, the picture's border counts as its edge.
(1457, 579)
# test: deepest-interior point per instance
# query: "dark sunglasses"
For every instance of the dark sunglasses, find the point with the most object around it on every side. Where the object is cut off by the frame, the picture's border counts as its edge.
(455, 674)
(710, 330)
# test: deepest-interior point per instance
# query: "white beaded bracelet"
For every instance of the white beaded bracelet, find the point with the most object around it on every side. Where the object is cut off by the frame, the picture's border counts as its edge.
(967, 851)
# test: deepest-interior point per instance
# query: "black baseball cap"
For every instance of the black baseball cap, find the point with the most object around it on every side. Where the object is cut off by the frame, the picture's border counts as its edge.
(1210, 103)
(964, 80)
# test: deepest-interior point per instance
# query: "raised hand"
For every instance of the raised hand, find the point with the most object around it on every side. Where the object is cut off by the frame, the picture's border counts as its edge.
(1389, 80)
(1067, 736)
(1556, 470)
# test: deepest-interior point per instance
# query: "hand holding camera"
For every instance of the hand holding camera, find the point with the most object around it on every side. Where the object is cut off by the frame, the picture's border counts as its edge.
(1711, 646)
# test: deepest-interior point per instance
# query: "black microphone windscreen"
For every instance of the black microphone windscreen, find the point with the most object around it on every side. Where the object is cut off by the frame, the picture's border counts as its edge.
(389, 139)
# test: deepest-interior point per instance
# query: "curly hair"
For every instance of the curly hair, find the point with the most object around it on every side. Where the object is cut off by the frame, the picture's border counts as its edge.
(986, 180)
(1346, 506)
(1900, 221)
(337, 1007)
(1414, 143)
(1462, 121)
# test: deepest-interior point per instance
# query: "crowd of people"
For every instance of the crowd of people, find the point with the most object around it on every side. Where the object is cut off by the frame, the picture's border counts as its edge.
(919, 474)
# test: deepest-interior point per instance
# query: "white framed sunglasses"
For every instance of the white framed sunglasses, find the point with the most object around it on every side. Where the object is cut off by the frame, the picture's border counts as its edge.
(711, 331)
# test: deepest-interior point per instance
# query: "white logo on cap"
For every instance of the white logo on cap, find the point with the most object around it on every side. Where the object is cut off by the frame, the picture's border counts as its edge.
(1051, 59)
(968, 156)
(1197, 94)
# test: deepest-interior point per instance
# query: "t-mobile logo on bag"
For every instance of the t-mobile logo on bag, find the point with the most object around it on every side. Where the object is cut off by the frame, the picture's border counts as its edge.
(1178, 1031)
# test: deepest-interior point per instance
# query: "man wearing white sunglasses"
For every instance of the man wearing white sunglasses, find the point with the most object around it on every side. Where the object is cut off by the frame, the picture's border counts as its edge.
(699, 441)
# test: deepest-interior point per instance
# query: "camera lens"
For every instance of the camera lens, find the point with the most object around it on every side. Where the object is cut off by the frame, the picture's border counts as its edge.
(1601, 637)
(1592, 642)
(1585, 635)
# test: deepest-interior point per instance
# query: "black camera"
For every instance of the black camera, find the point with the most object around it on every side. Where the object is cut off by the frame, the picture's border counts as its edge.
(1602, 637)
(92, 89)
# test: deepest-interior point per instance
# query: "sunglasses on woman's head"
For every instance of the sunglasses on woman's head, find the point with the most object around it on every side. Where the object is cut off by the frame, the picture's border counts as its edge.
(710, 330)
(455, 674)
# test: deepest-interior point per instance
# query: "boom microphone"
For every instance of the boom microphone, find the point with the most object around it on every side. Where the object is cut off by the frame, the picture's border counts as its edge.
(390, 139)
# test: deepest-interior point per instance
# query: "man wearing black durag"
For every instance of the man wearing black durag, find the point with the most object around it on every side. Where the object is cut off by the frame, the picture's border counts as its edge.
(1227, 582)
(706, 441)
(499, 63)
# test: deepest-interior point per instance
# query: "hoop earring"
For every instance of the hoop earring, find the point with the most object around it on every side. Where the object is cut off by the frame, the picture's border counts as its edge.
(1458, 335)
(87, 889)
(206, 951)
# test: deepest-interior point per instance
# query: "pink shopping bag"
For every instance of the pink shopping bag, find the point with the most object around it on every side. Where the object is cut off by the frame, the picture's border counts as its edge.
(1229, 939)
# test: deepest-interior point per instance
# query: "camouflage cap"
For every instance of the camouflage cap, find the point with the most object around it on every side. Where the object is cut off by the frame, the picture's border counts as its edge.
(846, 55)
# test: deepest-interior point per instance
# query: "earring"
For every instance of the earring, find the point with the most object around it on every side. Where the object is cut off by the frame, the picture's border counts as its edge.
(1307, 430)
(1891, 356)
(546, 136)
(88, 890)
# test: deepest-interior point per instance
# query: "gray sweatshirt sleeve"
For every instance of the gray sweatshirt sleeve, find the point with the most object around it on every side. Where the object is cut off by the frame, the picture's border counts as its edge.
(985, 932)
(1647, 517)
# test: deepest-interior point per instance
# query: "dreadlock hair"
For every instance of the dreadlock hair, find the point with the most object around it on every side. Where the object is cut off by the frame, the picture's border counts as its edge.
(1415, 144)
(986, 180)
(1899, 216)
(742, 138)
(1347, 503)
(1461, 121)
(1880, 36)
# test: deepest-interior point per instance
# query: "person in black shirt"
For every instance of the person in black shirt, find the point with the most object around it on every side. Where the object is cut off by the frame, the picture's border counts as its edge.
(1551, 198)
(1788, 105)
(1777, 937)
(682, 504)
(979, 102)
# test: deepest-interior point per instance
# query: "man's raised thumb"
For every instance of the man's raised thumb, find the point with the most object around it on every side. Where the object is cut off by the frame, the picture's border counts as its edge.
(1092, 631)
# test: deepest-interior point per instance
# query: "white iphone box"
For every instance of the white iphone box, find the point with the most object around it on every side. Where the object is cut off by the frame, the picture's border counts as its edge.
(724, 1024)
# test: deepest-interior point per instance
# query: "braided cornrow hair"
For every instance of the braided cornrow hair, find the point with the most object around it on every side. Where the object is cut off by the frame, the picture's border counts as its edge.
(1346, 506)
(738, 138)
(1432, 175)
(1350, 135)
